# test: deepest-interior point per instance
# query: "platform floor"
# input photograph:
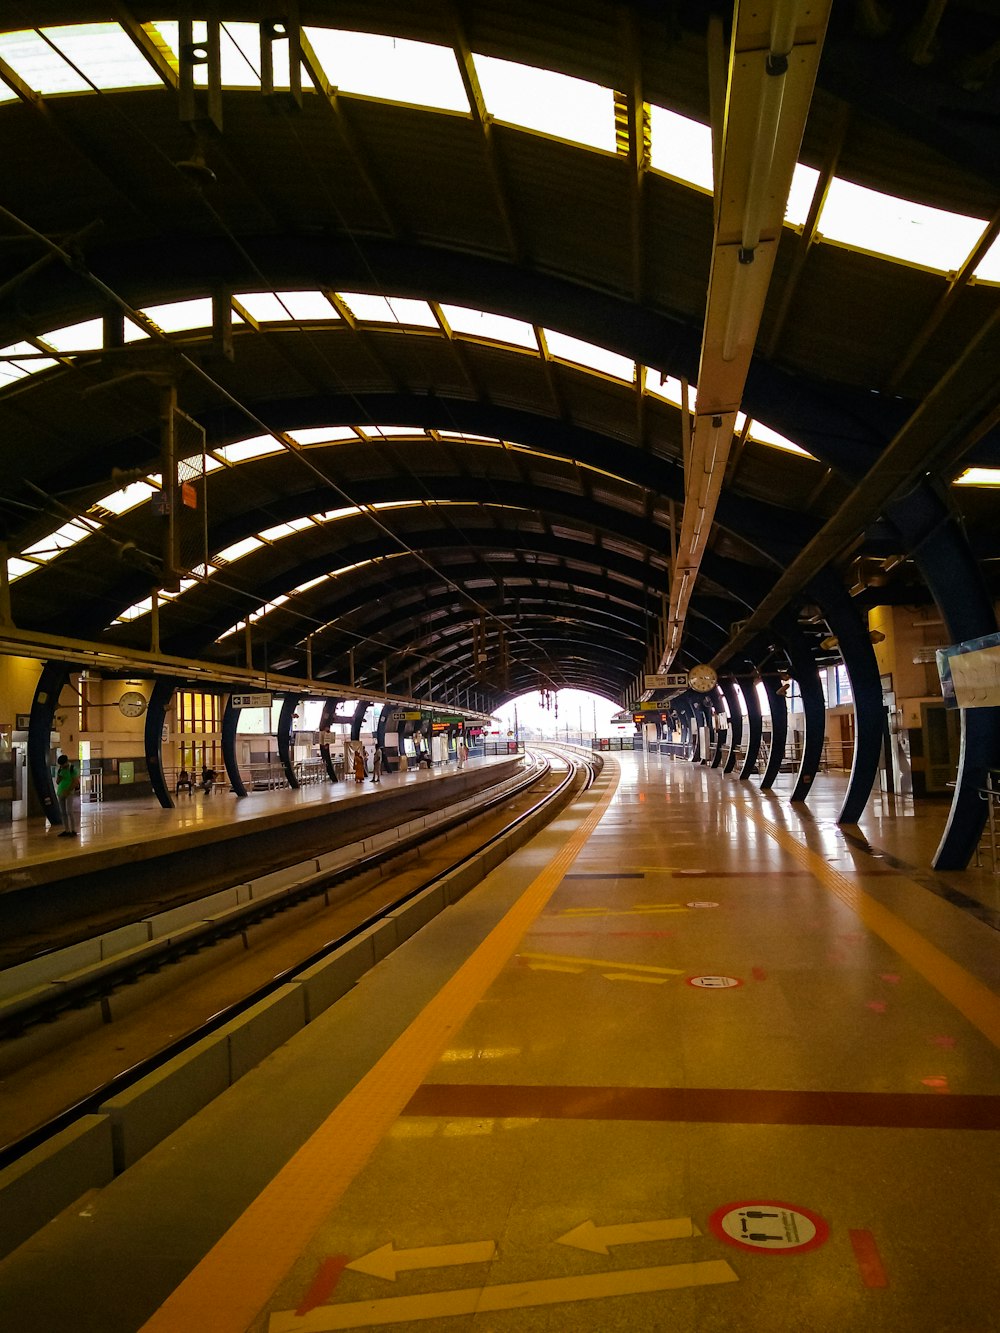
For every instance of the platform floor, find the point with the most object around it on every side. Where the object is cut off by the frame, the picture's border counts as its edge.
(691, 1060)
(105, 827)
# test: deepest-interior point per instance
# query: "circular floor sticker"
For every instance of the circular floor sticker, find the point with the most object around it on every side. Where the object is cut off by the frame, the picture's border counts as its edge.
(700, 904)
(714, 983)
(764, 1224)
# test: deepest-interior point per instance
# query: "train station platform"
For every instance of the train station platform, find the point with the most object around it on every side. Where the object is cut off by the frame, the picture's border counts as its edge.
(690, 1059)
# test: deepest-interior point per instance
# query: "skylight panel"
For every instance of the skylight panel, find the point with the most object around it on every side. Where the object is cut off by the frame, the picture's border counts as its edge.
(389, 309)
(897, 228)
(681, 147)
(180, 316)
(323, 435)
(238, 550)
(387, 432)
(280, 530)
(467, 438)
(331, 515)
(556, 104)
(42, 69)
(311, 583)
(271, 307)
(120, 502)
(61, 540)
(135, 612)
(765, 435)
(85, 337)
(104, 54)
(391, 68)
(666, 387)
(979, 476)
(989, 269)
(589, 355)
(11, 370)
(243, 450)
(800, 195)
(239, 52)
(495, 328)
(17, 568)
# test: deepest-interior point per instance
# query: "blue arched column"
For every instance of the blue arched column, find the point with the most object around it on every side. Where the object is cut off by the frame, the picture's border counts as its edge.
(851, 631)
(952, 573)
(779, 729)
(326, 721)
(804, 669)
(754, 726)
(230, 722)
(358, 719)
(285, 718)
(735, 724)
(51, 683)
(156, 716)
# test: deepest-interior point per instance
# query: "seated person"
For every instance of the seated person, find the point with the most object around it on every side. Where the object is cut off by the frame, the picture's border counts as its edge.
(207, 780)
(184, 780)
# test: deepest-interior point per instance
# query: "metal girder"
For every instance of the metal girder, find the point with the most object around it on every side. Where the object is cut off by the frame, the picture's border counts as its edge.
(772, 69)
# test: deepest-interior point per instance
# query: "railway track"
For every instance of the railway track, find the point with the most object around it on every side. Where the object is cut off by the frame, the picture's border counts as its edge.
(116, 1022)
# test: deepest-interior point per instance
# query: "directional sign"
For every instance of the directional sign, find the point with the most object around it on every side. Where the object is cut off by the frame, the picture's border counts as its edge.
(388, 1261)
(596, 1239)
(251, 700)
(503, 1296)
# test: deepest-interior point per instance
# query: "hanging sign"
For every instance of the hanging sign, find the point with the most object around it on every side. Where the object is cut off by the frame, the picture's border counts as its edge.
(251, 700)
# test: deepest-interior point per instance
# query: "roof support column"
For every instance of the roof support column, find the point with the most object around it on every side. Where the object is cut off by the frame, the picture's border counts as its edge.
(160, 699)
(54, 677)
(779, 730)
(735, 724)
(755, 726)
(866, 687)
(230, 721)
(805, 671)
(952, 573)
(285, 718)
(325, 723)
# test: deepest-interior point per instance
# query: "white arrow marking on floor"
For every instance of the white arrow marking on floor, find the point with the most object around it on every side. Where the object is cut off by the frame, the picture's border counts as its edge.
(554, 967)
(388, 1261)
(587, 1236)
(508, 1296)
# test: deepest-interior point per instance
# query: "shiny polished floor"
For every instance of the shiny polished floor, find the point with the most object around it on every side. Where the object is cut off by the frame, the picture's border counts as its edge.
(690, 1060)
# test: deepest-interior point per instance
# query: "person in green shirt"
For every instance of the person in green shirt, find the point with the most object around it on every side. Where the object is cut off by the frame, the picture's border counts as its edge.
(66, 785)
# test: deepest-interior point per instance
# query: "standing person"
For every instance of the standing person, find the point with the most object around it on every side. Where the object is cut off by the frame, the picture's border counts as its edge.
(66, 785)
(377, 764)
(463, 753)
(359, 765)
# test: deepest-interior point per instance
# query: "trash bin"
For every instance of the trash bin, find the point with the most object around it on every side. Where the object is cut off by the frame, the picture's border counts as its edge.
(404, 763)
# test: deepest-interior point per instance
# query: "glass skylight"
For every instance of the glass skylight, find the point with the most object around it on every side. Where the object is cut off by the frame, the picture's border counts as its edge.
(17, 370)
(239, 52)
(589, 355)
(495, 328)
(897, 228)
(765, 435)
(269, 307)
(243, 450)
(179, 316)
(285, 529)
(238, 550)
(392, 68)
(989, 269)
(85, 337)
(389, 309)
(41, 68)
(373, 432)
(61, 540)
(800, 196)
(666, 387)
(681, 147)
(323, 435)
(556, 104)
(979, 476)
(120, 502)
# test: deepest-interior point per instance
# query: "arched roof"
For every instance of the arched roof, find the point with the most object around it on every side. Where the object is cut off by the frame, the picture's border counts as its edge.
(468, 505)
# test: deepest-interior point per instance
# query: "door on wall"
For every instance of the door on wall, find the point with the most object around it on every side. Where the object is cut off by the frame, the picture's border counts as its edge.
(940, 727)
(846, 755)
(19, 806)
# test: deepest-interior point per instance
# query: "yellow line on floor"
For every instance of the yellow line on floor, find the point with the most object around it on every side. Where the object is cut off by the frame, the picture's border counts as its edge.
(974, 1000)
(236, 1279)
(601, 962)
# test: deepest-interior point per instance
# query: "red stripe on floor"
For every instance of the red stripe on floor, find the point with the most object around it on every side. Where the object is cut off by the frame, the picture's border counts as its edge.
(324, 1283)
(868, 1258)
